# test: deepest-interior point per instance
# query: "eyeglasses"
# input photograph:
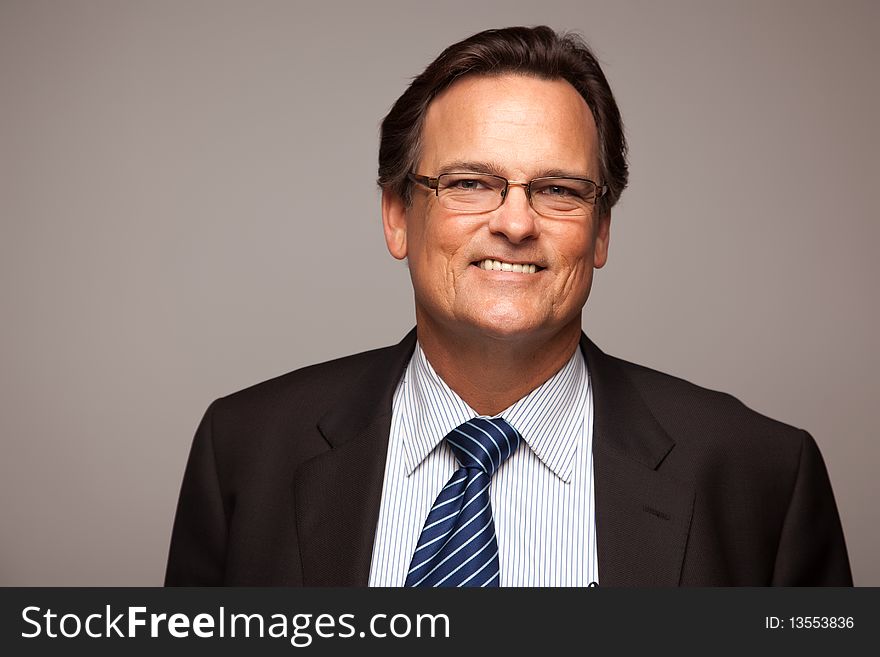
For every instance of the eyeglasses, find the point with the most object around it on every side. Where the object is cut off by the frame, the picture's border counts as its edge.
(473, 193)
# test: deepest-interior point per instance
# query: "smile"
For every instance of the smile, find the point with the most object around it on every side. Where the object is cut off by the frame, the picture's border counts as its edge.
(499, 265)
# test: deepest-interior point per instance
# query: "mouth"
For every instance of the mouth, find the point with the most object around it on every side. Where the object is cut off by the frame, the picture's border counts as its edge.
(490, 264)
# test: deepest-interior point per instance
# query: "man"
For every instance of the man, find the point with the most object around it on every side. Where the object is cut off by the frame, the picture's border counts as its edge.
(496, 444)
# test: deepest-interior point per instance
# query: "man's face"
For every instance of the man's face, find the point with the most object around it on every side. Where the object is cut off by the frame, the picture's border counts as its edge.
(520, 128)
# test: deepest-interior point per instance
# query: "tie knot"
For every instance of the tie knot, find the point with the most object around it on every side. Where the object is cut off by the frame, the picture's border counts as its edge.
(483, 443)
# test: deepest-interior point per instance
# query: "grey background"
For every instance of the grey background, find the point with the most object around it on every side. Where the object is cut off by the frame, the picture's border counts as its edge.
(159, 249)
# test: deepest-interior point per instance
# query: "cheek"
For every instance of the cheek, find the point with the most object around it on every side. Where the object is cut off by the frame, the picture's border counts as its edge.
(432, 250)
(444, 241)
(575, 255)
(574, 247)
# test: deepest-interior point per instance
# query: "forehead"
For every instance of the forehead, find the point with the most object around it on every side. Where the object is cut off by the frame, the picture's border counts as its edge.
(524, 126)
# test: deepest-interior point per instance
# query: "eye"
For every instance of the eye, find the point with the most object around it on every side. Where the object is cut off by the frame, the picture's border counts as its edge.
(560, 191)
(564, 190)
(466, 184)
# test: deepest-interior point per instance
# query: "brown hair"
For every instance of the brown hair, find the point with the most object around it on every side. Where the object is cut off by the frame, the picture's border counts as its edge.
(537, 51)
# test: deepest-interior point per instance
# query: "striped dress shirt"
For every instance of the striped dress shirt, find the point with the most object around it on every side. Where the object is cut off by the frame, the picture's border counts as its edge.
(542, 497)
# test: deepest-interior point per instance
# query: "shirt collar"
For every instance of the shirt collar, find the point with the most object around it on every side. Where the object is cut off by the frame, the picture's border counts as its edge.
(550, 418)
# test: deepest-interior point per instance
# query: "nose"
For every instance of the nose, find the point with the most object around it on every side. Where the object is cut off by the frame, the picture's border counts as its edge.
(515, 219)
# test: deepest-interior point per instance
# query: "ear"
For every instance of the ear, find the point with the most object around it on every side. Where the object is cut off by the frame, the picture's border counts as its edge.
(603, 236)
(394, 223)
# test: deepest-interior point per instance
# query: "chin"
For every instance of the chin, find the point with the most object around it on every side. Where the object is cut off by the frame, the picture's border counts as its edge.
(507, 325)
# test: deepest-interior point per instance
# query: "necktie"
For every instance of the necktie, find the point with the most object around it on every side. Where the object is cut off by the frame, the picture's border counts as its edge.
(457, 546)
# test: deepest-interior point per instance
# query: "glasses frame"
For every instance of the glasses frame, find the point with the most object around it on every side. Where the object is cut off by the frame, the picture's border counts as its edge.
(434, 184)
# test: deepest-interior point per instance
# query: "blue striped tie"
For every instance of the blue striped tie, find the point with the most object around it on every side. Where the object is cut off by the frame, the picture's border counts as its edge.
(458, 546)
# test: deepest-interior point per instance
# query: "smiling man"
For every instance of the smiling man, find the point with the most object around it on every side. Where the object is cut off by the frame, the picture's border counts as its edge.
(496, 445)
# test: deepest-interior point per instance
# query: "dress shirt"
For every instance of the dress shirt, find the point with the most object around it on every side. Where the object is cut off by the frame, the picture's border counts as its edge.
(542, 497)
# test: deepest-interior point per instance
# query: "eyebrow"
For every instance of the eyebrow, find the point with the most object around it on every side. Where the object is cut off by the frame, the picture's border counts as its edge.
(495, 169)
(472, 166)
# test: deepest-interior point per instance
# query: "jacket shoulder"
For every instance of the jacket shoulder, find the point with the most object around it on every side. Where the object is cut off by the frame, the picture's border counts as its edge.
(675, 401)
(308, 391)
(262, 433)
(763, 508)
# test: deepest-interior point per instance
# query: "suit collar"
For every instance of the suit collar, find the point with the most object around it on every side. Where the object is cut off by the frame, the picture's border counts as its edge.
(338, 492)
(368, 398)
(642, 515)
(622, 419)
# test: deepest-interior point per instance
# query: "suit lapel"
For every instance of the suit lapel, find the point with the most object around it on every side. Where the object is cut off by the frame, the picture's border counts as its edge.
(642, 515)
(338, 492)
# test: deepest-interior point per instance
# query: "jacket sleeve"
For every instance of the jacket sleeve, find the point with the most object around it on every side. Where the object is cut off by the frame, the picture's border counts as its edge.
(198, 541)
(812, 551)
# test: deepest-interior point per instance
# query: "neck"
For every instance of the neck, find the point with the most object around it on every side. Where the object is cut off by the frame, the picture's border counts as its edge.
(490, 373)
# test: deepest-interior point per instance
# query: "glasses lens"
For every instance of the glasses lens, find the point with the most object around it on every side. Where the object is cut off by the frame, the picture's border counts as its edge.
(470, 192)
(563, 196)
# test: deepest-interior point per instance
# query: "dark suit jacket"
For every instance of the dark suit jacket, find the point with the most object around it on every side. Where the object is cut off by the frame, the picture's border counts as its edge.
(692, 488)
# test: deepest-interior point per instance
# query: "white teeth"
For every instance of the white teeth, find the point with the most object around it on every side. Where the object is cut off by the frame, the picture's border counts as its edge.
(497, 265)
